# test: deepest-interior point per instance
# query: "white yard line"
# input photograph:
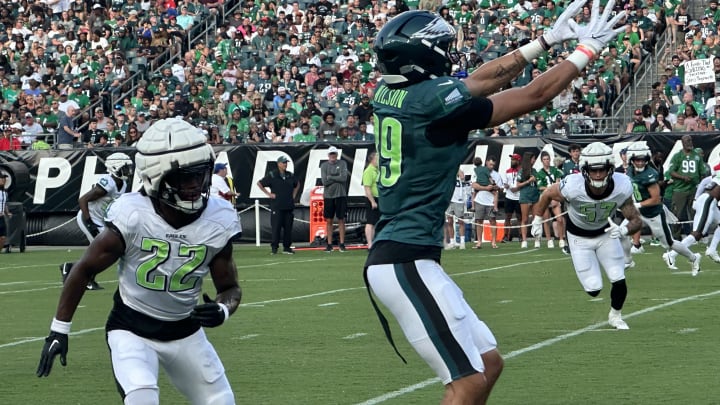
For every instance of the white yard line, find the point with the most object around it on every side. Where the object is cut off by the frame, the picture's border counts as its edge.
(543, 344)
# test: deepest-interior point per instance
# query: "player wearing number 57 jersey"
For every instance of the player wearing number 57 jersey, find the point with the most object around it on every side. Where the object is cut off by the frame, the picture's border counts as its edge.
(422, 117)
(167, 238)
(592, 197)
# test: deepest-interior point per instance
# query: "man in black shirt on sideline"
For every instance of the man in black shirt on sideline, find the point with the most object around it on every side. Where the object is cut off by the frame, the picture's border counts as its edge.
(283, 189)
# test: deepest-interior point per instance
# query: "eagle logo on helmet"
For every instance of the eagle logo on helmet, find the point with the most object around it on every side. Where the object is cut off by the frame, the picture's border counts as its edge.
(434, 29)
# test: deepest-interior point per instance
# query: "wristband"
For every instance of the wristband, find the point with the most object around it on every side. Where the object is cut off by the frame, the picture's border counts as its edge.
(531, 50)
(580, 57)
(60, 326)
(225, 309)
(543, 42)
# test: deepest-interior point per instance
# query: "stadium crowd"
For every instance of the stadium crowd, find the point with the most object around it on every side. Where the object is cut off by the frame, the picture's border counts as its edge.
(302, 71)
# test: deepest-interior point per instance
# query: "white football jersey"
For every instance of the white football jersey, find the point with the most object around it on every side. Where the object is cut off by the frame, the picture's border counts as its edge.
(588, 213)
(162, 270)
(98, 207)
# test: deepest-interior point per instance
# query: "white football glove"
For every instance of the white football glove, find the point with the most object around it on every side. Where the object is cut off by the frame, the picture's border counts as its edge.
(561, 30)
(637, 205)
(599, 31)
(537, 225)
(616, 231)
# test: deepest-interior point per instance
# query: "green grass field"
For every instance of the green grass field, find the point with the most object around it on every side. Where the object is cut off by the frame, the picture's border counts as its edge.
(307, 334)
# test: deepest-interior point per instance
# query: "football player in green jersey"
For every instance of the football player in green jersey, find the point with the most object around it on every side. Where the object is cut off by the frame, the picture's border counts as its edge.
(646, 193)
(422, 119)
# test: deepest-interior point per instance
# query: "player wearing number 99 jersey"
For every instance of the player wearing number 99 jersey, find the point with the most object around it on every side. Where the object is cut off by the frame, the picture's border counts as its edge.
(166, 238)
(422, 116)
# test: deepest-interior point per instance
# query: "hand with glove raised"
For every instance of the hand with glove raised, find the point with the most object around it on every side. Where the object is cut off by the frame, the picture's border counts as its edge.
(211, 313)
(561, 30)
(616, 231)
(537, 226)
(596, 34)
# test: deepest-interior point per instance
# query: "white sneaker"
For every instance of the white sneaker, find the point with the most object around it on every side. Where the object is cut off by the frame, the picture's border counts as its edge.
(551, 244)
(537, 243)
(615, 320)
(696, 264)
(669, 261)
(450, 246)
(523, 244)
(561, 244)
(635, 250)
(461, 246)
(713, 255)
(630, 265)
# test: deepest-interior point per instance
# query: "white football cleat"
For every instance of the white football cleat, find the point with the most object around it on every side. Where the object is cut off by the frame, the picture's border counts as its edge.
(551, 243)
(696, 264)
(713, 255)
(615, 320)
(637, 250)
(630, 265)
(669, 261)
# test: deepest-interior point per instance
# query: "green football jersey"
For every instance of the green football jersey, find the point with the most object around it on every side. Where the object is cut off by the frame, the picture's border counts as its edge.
(641, 182)
(417, 176)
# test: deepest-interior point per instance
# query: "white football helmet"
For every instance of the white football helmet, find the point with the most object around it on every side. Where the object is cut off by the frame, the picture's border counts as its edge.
(639, 150)
(175, 164)
(597, 155)
(119, 165)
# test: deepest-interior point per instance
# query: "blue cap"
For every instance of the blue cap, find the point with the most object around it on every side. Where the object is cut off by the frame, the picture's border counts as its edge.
(219, 166)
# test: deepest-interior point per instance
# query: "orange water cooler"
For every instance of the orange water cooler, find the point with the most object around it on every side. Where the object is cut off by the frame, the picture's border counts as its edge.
(317, 219)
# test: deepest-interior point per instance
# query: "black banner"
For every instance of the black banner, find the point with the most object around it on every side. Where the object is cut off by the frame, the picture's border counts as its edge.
(50, 182)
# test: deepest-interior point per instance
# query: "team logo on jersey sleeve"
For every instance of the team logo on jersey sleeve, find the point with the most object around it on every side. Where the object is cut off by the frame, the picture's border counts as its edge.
(453, 97)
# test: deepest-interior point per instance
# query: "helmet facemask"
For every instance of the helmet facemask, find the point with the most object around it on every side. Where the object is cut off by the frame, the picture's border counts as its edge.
(187, 189)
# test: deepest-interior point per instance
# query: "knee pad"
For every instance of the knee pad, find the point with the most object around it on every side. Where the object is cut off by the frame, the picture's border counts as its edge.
(143, 396)
(593, 293)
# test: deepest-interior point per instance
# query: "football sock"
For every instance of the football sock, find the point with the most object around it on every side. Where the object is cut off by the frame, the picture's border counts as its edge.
(618, 292)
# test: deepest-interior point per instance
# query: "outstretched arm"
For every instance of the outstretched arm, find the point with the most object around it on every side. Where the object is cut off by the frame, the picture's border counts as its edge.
(494, 75)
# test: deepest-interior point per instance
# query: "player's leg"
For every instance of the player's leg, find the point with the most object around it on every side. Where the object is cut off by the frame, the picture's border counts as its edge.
(585, 262)
(135, 367)
(440, 326)
(67, 266)
(194, 368)
(610, 255)
(711, 251)
(661, 230)
(547, 227)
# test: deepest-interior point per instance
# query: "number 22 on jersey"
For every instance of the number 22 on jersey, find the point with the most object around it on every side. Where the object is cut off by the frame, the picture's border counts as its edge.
(147, 274)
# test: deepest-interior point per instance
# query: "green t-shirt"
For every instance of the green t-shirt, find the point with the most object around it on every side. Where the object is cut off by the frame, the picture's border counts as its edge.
(370, 177)
(691, 165)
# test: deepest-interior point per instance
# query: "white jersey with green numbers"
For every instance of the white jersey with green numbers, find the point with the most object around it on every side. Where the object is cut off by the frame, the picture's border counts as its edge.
(162, 269)
(98, 207)
(589, 213)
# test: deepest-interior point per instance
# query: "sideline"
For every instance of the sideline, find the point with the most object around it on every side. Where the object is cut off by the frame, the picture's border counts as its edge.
(540, 345)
